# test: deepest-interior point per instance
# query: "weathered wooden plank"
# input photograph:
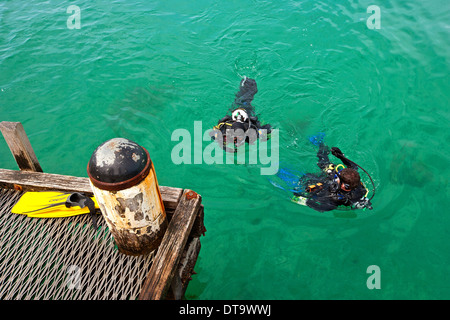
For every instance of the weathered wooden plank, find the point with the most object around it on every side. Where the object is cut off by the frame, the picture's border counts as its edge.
(169, 252)
(171, 196)
(199, 229)
(20, 146)
(38, 181)
(185, 269)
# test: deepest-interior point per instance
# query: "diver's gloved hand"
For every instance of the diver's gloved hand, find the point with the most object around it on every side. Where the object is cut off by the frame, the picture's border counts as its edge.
(336, 152)
(264, 132)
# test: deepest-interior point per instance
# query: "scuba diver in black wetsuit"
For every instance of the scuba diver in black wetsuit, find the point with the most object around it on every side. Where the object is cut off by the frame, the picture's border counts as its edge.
(243, 122)
(334, 187)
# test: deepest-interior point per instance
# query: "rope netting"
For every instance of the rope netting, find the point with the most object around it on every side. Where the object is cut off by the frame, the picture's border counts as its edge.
(63, 258)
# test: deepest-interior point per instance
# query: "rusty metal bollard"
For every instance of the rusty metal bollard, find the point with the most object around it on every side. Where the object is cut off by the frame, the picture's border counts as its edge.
(124, 183)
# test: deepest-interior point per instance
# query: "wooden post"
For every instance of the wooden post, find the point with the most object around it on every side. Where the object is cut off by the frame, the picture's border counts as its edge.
(20, 146)
(172, 245)
(124, 183)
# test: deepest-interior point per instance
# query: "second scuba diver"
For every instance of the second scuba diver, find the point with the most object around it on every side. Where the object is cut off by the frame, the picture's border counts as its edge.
(242, 125)
(336, 186)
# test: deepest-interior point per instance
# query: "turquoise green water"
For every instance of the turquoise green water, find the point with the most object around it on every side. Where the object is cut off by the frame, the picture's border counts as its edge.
(141, 70)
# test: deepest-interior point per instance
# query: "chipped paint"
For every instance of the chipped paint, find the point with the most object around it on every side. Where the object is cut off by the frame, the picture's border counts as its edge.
(107, 154)
(135, 157)
(135, 212)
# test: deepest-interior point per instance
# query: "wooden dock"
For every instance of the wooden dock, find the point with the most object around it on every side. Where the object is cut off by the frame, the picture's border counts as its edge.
(66, 258)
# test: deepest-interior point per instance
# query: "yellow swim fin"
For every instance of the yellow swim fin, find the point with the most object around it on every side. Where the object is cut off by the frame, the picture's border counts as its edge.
(49, 204)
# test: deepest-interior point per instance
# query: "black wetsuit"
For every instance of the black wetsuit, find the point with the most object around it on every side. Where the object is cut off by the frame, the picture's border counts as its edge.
(327, 194)
(243, 100)
(245, 95)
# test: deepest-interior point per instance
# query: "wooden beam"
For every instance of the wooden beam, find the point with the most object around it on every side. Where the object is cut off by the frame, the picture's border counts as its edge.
(20, 146)
(185, 269)
(199, 229)
(38, 181)
(166, 261)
